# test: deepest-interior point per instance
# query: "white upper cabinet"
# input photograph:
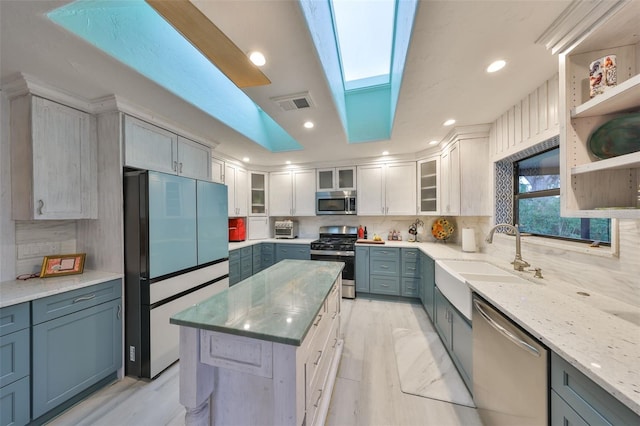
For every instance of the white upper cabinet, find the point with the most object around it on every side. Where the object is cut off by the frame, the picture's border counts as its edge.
(150, 147)
(236, 180)
(428, 186)
(464, 178)
(217, 170)
(593, 187)
(292, 193)
(54, 161)
(387, 189)
(194, 159)
(336, 179)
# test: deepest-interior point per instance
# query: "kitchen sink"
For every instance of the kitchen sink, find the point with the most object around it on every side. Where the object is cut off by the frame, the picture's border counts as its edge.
(451, 276)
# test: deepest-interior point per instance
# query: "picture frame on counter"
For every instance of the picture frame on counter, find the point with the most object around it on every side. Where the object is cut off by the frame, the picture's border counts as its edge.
(62, 264)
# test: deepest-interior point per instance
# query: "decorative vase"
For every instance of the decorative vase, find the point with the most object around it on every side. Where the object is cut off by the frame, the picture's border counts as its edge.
(602, 75)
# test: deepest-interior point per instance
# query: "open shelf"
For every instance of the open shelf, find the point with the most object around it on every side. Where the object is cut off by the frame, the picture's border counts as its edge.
(628, 161)
(623, 97)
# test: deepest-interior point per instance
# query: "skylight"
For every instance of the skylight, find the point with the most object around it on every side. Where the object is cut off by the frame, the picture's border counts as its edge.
(136, 35)
(364, 33)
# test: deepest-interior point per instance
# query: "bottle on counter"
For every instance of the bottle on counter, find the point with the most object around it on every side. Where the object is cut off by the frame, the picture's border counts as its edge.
(361, 232)
(365, 232)
(390, 236)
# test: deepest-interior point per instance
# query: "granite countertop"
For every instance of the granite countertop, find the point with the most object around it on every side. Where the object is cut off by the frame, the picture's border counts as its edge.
(18, 291)
(241, 244)
(277, 304)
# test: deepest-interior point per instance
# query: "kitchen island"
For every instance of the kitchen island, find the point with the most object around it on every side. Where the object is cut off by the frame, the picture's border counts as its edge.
(265, 351)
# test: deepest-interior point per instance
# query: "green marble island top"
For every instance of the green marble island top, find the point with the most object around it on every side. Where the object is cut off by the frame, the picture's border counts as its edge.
(277, 304)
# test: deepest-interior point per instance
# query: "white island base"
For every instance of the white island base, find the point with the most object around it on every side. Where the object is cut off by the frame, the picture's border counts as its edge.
(228, 379)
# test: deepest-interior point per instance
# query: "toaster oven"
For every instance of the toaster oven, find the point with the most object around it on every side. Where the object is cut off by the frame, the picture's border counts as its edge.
(285, 229)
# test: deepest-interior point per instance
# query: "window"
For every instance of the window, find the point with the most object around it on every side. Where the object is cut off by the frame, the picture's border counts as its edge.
(537, 202)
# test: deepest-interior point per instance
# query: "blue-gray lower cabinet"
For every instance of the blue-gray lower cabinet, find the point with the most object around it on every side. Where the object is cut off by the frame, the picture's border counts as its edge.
(246, 262)
(410, 272)
(292, 251)
(457, 336)
(15, 336)
(234, 267)
(428, 281)
(362, 270)
(576, 399)
(77, 342)
(257, 258)
(268, 254)
(384, 270)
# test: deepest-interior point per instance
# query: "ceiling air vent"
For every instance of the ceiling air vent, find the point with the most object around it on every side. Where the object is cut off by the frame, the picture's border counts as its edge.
(293, 102)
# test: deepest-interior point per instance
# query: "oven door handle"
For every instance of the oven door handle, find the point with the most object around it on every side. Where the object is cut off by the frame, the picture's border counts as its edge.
(333, 253)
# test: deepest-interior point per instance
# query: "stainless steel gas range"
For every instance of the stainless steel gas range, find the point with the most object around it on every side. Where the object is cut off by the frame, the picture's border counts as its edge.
(337, 244)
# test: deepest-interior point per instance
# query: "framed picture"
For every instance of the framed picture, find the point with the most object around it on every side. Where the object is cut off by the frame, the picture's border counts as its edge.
(62, 264)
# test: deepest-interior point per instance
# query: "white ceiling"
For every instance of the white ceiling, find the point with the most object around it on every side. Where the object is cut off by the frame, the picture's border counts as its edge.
(453, 41)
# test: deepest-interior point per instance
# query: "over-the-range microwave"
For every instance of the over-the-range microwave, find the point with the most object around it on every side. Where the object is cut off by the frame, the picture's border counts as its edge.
(336, 202)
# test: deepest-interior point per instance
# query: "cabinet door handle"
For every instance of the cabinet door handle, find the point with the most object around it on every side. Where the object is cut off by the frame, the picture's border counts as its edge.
(175, 166)
(84, 298)
(318, 322)
(40, 206)
(318, 359)
(335, 342)
(382, 210)
(119, 313)
(335, 314)
(318, 400)
(180, 168)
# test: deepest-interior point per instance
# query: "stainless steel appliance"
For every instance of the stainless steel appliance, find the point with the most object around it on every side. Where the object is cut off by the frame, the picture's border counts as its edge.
(285, 229)
(337, 244)
(510, 370)
(336, 202)
(176, 254)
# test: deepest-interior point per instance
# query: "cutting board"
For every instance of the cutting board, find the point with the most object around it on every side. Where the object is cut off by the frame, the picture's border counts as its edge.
(369, 242)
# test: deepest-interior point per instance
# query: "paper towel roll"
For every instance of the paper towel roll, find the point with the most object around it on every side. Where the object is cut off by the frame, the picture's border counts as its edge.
(468, 240)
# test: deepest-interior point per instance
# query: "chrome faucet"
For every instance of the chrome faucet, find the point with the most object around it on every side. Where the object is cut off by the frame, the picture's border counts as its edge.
(518, 263)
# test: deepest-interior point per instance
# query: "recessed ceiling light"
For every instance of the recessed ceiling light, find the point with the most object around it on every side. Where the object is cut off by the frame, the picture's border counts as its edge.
(308, 124)
(288, 162)
(385, 152)
(257, 58)
(449, 122)
(496, 66)
(433, 143)
(245, 159)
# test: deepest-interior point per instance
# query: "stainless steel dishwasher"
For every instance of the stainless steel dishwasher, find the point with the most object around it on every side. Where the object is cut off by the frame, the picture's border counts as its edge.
(510, 370)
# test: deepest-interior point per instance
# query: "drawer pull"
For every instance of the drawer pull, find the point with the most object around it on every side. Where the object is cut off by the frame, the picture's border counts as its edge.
(318, 359)
(318, 321)
(411, 288)
(411, 269)
(384, 267)
(319, 398)
(385, 285)
(84, 298)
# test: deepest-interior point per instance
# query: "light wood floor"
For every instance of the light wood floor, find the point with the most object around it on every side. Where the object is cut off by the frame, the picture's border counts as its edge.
(367, 389)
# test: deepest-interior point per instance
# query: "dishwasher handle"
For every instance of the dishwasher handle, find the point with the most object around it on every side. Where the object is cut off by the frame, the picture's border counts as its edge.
(517, 341)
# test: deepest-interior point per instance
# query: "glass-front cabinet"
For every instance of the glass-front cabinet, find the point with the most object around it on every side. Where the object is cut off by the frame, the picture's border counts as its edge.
(428, 192)
(337, 179)
(258, 182)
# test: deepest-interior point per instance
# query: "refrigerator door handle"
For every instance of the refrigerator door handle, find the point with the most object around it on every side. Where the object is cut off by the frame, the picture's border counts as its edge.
(517, 341)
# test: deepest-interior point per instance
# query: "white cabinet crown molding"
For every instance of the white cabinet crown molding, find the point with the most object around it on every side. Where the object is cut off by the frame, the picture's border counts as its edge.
(576, 22)
(21, 84)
